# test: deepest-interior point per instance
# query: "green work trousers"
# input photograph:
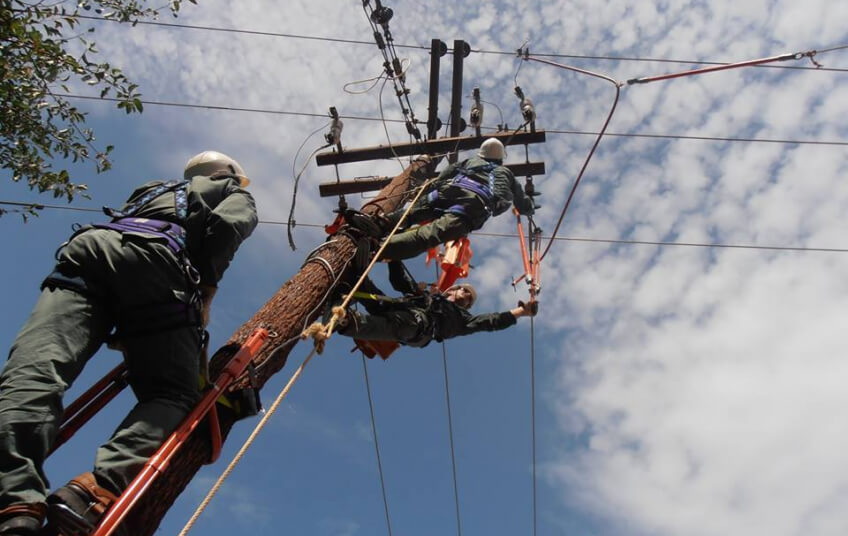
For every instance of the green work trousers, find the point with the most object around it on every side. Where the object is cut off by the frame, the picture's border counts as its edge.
(410, 326)
(442, 206)
(122, 273)
(418, 239)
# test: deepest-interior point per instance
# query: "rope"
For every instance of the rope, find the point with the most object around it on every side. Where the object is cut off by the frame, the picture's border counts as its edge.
(377, 446)
(246, 445)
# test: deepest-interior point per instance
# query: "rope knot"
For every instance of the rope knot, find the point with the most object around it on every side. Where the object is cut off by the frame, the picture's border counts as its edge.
(319, 333)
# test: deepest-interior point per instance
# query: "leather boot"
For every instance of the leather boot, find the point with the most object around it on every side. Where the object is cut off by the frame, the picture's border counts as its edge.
(22, 519)
(76, 508)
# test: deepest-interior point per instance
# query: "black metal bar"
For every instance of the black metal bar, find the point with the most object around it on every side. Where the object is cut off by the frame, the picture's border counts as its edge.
(437, 49)
(457, 124)
(442, 145)
(357, 186)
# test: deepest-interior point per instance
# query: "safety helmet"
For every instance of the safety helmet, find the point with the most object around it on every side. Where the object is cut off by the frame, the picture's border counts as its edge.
(208, 162)
(469, 288)
(492, 149)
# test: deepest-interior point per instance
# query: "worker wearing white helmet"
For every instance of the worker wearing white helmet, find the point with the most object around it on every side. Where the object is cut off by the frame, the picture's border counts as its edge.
(212, 162)
(463, 197)
(149, 274)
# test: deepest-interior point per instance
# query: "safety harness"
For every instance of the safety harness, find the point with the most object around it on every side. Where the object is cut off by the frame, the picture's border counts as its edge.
(466, 178)
(152, 318)
(174, 235)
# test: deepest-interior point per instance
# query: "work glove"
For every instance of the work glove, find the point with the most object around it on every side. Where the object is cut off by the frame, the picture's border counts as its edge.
(206, 295)
(530, 308)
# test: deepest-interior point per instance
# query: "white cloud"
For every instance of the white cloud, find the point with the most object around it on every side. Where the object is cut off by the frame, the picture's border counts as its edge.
(707, 383)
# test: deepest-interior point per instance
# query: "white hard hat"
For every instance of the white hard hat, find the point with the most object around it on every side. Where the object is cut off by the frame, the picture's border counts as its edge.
(208, 162)
(492, 149)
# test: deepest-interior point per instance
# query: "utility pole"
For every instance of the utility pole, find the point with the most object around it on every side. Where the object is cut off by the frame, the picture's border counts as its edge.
(297, 303)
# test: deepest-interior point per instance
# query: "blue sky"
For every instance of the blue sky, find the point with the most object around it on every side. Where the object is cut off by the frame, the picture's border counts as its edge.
(678, 390)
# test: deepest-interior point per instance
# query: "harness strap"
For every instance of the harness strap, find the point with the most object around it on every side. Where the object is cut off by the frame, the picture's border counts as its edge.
(465, 178)
(174, 235)
(180, 200)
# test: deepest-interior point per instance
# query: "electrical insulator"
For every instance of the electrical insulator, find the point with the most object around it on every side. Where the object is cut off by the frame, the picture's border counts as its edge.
(527, 110)
(476, 118)
(334, 136)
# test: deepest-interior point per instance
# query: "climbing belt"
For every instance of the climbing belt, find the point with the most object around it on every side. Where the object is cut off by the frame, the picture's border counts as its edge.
(320, 333)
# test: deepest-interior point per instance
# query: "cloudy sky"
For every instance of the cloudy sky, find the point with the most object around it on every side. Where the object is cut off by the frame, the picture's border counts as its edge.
(679, 389)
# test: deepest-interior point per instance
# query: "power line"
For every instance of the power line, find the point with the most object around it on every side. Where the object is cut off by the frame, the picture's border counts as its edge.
(550, 131)
(254, 32)
(533, 412)
(479, 51)
(450, 433)
(227, 108)
(511, 236)
(665, 60)
(699, 138)
(377, 445)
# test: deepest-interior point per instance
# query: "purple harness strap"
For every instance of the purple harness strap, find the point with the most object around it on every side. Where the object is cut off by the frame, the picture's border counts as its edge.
(173, 234)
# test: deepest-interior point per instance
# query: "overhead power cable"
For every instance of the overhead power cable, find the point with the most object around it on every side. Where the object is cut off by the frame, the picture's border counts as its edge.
(533, 412)
(478, 51)
(450, 435)
(377, 447)
(39, 206)
(698, 138)
(666, 60)
(249, 32)
(549, 131)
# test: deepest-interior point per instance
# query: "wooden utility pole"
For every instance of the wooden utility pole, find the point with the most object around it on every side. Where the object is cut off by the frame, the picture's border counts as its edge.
(294, 306)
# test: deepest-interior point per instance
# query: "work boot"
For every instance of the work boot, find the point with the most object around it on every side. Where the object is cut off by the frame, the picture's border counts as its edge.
(372, 226)
(76, 508)
(22, 519)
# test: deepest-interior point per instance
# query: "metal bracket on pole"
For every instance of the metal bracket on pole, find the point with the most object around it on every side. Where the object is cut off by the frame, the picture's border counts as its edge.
(461, 50)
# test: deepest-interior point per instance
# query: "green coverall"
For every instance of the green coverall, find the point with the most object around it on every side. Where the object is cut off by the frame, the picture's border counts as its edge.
(103, 279)
(416, 324)
(454, 211)
(416, 319)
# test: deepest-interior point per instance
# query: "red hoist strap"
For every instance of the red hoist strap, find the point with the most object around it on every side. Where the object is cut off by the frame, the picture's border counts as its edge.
(456, 262)
(531, 261)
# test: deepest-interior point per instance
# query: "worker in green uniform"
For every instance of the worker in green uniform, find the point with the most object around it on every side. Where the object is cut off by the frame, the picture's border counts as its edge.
(149, 275)
(419, 316)
(462, 198)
